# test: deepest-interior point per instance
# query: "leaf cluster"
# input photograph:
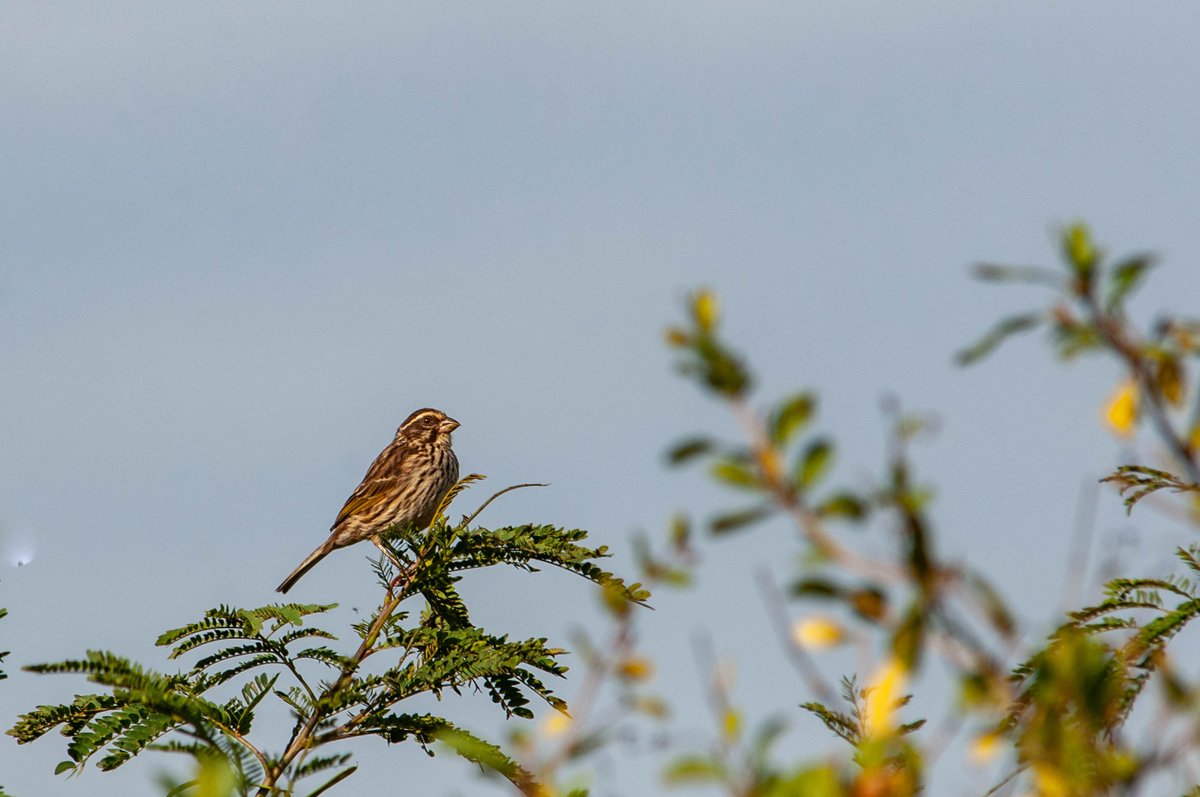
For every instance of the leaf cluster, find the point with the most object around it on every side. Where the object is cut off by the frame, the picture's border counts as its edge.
(1090, 314)
(703, 355)
(1093, 293)
(275, 652)
(1065, 707)
(1074, 695)
(1135, 482)
(780, 468)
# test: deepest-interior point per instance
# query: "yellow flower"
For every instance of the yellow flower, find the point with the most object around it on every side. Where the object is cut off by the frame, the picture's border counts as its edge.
(1121, 411)
(984, 748)
(883, 696)
(704, 308)
(817, 633)
(555, 724)
(731, 724)
(635, 668)
(1049, 781)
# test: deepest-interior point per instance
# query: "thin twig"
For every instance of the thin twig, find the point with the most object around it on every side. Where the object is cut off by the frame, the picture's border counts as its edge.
(243, 741)
(598, 670)
(1007, 778)
(467, 521)
(338, 778)
(302, 736)
(1080, 549)
(807, 520)
(955, 582)
(722, 708)
(773, 599)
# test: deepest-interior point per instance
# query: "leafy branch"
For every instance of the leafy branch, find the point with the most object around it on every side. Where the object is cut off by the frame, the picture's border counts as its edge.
(1140, 481)
(1073, 695)
(916, 600)
(1090, 315)
(270, 652)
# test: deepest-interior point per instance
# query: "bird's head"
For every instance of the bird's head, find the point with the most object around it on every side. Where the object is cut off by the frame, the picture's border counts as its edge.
(428, 425)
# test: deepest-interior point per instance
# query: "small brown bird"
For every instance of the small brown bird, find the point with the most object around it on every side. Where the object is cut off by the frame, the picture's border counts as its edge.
(404, 484)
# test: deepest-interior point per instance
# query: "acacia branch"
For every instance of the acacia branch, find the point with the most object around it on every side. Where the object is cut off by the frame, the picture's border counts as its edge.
(303, 735)
(1116, 336)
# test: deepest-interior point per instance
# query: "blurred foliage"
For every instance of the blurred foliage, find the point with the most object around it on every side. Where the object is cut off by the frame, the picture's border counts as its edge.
(1060, 709)
(1049, 718)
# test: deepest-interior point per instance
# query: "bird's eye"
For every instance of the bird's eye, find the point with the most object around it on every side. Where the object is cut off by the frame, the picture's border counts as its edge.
(430, 421)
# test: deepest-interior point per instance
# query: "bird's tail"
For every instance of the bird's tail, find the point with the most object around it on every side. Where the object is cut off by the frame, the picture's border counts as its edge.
(308, 564)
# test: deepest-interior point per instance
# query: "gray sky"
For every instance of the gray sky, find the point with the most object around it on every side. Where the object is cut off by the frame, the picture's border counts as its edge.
(241, 242)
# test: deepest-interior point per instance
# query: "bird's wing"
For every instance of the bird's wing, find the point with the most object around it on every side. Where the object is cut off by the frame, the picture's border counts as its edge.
(378, 483)
(389, 463)
(365, 496)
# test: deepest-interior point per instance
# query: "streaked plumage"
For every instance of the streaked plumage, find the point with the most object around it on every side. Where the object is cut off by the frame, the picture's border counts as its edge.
(404, 484)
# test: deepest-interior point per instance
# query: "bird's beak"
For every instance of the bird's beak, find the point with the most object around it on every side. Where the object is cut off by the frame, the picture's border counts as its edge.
(449, 425)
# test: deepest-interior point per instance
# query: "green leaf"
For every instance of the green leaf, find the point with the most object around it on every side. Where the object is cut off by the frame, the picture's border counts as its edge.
(1074, 338)
(819, 781)
(843, 505)
(740, 519)
(225, 622)
(694, 769)
(517, 546)
(1035, 274)
(716, 367)
(688, 449)
(997, 335)
(1170, 380)
(842, 725)
(681, 531)
(814, 463)
(870, 603)
(1081, 253)
(909, 638)
(1125, 279)
(475, 749)
(816, 587)
(735, 473)
(706, 358)
(791, 416)
(1135, 482)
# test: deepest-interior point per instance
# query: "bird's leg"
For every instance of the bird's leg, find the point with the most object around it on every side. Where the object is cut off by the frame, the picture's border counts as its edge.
(401, 567)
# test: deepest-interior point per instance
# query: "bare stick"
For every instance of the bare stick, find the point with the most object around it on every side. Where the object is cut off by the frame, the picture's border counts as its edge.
(773, 599)
(467, 521)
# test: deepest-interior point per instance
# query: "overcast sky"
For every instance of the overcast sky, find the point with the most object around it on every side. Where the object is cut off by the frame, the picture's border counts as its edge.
(239, 243)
